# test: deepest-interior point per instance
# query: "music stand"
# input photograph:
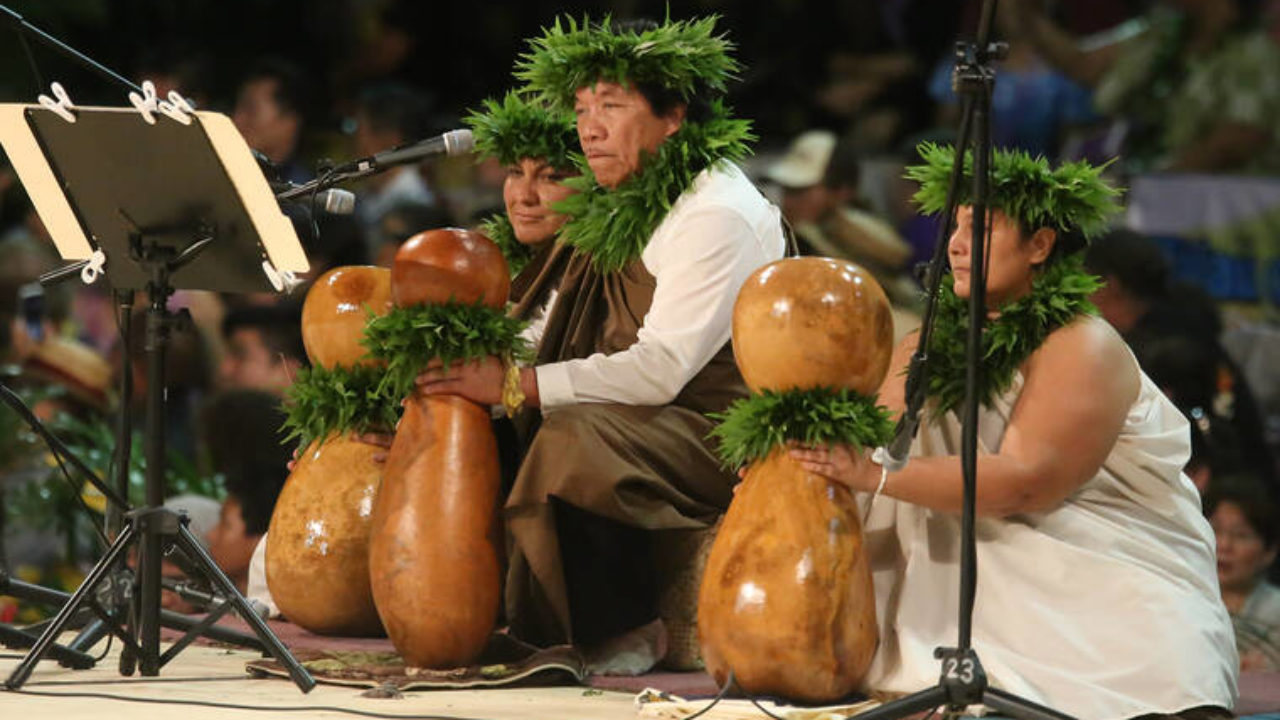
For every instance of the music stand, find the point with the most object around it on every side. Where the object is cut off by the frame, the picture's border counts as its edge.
(160, 206)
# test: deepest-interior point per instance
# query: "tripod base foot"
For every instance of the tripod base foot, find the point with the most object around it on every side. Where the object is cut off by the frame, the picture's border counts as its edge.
(67, 657)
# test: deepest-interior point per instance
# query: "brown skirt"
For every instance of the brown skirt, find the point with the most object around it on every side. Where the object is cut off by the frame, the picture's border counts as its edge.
(594, 480)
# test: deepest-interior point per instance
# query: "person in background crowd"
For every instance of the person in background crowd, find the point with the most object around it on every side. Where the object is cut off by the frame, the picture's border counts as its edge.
(401, 222)
(270, 112)
(244, 517)
(264, 347)
(387, 116)
(1194, 81)
(1247, 527)
(1033, 105)
(1173, 329)
(819, 176)
(243, 441)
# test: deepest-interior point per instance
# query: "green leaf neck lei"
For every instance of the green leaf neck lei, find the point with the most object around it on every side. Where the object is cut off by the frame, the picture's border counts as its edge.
(1059, 294)
(754, 426)
(409, 338)
(322, 402)
(612, 226)
(498, 229)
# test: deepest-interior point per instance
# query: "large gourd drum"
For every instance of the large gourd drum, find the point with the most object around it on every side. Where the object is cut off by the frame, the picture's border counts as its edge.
(786, 601)
(317, 556)
(434, 554)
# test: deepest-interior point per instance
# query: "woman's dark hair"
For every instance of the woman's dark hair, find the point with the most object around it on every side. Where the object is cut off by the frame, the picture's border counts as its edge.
(1256, 503)
(1069, 242)
(257, 486)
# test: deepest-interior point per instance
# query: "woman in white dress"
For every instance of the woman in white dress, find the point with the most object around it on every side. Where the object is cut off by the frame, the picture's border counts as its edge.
(1097, 593)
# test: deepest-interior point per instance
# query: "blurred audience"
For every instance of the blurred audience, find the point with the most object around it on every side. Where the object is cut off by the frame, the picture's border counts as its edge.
(1194, 82)
(387, 116)
(270, 111)
(1033, 105)
(819, 177)
(1247, 527)
(1173, 328)
(244, 518)
(243, 441)
(264, 347)
(401, 222)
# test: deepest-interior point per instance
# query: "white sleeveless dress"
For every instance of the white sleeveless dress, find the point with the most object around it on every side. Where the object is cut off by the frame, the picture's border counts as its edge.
(1106, 607)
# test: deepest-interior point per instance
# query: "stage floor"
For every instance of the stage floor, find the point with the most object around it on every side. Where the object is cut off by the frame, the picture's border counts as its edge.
(202, 682)
(206, 681)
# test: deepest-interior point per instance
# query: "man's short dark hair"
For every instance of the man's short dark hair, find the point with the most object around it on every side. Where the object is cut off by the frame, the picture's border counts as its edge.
(257, 488)
(243, 427)
(242, 435)
(844, 169)
(393, 106)
(1133, 259)
(292, 90)
(279, 325)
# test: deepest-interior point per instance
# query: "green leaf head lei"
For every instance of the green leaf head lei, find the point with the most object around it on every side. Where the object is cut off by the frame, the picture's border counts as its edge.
(515, 128)
(685, 57)
(1074, 201)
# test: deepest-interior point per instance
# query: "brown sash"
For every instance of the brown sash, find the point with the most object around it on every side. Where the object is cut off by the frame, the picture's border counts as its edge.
(599, 312)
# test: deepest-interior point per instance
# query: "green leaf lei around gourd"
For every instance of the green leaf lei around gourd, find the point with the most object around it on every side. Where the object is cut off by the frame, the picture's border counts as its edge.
(323, 402)
(1060, 293)
(612, 226)
(410, 337)
(754, 426)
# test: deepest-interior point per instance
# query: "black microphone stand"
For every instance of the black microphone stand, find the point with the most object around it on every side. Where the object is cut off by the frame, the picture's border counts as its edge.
(962, 682)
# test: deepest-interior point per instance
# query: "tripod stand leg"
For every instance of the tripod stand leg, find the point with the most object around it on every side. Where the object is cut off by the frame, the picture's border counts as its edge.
(1016, 707)
(66, 656)
(90, 635)
(178, 621)
(908, 705)
(84, 592)
(222, 583)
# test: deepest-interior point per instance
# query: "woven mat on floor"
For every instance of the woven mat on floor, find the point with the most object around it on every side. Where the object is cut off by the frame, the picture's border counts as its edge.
(504, 662)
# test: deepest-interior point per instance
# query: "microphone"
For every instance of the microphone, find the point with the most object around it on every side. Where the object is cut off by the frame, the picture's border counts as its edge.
(454, 142)
(208, 600)
(334, 201)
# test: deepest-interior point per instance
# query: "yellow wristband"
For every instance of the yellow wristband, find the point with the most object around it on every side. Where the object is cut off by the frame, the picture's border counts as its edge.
(512, 395)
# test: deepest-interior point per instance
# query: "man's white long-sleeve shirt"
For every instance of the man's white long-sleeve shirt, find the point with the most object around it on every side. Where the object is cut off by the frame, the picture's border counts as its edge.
(716, 234)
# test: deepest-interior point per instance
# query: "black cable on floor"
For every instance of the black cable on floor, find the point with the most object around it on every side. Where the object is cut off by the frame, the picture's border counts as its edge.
(724, 690)
(234, 706)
